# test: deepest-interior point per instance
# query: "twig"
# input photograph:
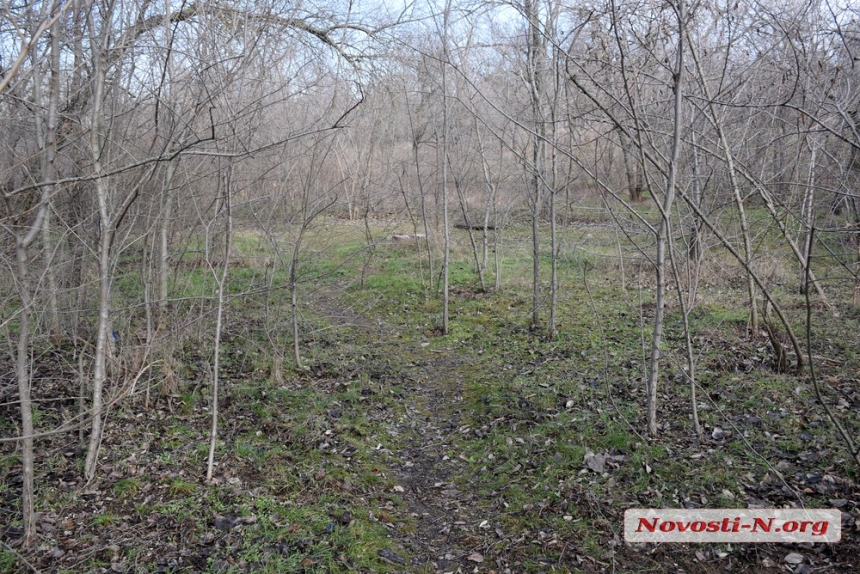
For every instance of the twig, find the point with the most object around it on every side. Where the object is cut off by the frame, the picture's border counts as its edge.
(855, 454)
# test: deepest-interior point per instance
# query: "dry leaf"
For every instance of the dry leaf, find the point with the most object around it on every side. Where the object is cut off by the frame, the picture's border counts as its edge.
(596, 462)
(475, 557)
(793, 558)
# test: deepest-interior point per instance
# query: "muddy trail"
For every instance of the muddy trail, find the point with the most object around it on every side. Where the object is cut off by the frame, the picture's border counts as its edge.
(456, 528)
(451, 528)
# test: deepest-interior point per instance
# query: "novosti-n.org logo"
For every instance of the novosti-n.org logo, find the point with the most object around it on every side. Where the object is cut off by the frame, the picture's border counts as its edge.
(732, 525)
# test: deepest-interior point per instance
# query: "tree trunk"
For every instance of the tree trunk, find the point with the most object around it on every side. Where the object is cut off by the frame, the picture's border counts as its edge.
(695, 251)
(632, 168)
(665, 227)
(23, 374)
(294, 303)
(553, 191)
(808, 219)
(102, 332)
(219, 320)
(470, 230)
(490, 206)
(423, 197)
(49, 173)
(103, 249)
(165, 222)
(535, 69)
(445, 127)
(736, 194)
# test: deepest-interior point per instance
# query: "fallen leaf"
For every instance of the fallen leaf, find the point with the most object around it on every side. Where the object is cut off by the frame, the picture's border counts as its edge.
(596, 462)
(475, 557)
(389, 555)
(793, 558)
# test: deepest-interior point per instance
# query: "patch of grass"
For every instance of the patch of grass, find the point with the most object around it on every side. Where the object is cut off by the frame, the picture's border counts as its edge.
(711, 316)
(314, 538)
(245, 450)
(8, 560)
(126, 487)
(102, 520)
(180, 487)
(179, 508)
(7, 461)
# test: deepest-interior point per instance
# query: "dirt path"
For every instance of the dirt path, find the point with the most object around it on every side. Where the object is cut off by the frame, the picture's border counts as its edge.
(446, 534)
(451, 533)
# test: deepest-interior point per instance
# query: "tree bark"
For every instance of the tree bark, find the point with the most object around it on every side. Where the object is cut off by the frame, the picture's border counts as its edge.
(165, 221)
(23, 374)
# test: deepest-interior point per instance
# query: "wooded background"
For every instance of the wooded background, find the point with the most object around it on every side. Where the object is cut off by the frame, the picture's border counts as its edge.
(140, 139)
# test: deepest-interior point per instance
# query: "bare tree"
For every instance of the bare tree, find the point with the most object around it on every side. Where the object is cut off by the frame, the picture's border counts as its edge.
(665, 227)
(221, 282)
(535, 67)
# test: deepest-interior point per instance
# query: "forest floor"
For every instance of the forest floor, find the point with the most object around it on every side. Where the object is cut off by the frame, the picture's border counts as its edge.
(494, 448)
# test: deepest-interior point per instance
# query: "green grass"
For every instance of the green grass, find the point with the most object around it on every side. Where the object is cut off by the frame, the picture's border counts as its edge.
(8, 560)
(127, 487)
(106, 520)
(178, 487)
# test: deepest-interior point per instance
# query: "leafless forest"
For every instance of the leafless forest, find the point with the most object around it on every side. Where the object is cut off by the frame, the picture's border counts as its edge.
(145, 140)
